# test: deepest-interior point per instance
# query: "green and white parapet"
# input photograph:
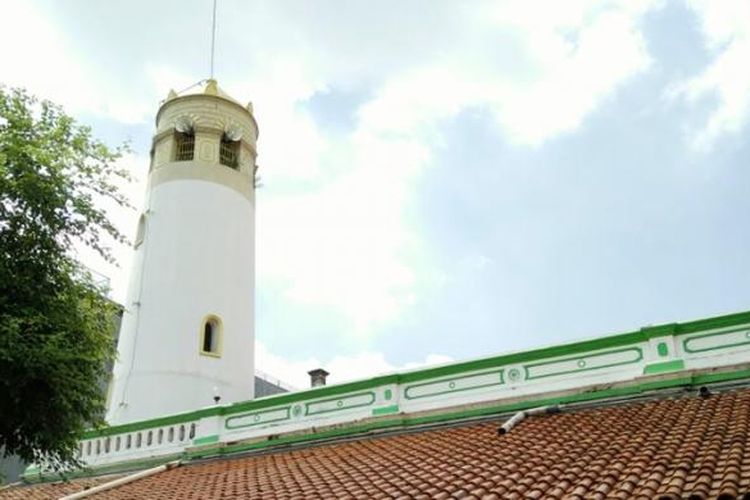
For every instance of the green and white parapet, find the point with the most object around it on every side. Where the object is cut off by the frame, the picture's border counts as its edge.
(670, 355)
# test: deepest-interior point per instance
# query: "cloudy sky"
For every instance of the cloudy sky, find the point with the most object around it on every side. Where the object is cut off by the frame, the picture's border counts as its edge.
(441, 180)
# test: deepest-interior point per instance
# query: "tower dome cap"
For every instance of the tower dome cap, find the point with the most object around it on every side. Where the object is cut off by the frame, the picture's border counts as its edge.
(203, 87)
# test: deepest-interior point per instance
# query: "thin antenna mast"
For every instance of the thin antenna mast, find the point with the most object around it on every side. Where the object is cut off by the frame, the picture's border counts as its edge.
(213, 40)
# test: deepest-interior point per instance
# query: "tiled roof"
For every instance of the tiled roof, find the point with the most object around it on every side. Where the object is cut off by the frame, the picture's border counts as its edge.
(678, 447)
(55, 489)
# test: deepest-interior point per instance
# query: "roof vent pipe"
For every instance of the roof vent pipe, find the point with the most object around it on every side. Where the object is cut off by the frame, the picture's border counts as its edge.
(519, 416)
(318, 377)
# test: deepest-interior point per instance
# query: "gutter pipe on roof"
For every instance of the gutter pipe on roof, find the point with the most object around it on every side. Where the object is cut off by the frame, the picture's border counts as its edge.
(519, 416)
(122, 480)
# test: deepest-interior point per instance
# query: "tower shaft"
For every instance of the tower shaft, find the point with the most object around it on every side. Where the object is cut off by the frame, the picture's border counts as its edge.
(187, 333)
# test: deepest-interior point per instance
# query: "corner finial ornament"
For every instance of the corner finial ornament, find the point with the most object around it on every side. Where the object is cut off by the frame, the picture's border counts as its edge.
(211, 87)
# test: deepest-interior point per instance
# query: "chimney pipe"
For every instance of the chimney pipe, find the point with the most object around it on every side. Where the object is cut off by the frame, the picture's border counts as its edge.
(318, 377)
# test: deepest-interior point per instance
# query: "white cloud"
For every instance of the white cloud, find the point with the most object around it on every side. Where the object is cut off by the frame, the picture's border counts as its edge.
(37, 55)
(289, 136)
(332, 219)
(364, 364)
(726, 30)
(581, 58)
(346, 244)
(165, 78)
(343, 244)
(568, 60)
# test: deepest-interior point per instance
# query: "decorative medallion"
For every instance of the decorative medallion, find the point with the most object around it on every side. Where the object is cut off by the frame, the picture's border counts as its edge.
(296, 410)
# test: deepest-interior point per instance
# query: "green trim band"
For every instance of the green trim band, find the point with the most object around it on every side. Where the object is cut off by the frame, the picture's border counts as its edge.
(206, 440)
(33, 475)
(666, 366)
(385, 410)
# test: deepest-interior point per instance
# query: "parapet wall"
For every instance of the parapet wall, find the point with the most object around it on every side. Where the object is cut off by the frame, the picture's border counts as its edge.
(524, 378)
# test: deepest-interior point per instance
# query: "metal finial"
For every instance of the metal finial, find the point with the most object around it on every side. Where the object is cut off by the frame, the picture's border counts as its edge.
(213, 40)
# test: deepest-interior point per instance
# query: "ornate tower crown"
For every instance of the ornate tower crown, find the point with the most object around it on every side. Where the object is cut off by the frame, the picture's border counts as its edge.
(207, 127)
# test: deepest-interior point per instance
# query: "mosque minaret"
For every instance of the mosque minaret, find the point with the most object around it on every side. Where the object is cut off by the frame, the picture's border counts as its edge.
(187, 334)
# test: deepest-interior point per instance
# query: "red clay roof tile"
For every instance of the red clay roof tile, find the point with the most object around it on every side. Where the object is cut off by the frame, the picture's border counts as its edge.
(54, 489)
(669, 448)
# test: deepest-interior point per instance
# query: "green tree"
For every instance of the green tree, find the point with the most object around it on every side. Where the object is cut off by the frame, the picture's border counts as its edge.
(55, 323)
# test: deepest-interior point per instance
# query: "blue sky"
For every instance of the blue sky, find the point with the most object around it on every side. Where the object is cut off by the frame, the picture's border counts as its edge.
(442, 180)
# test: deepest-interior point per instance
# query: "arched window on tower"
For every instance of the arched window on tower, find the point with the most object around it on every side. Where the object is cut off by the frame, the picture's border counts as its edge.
(211, 336)
(184, 145)
(229, 151)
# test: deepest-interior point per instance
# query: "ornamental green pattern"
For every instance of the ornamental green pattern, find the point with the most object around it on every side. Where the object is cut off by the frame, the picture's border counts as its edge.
(346, 402)
(582, 363)
(447, 386)
(257, 418)
(742, 340)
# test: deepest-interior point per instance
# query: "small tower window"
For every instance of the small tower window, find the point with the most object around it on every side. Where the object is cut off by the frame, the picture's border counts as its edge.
(140, 232)
(184, 146)
(211, 336)
(229, 152)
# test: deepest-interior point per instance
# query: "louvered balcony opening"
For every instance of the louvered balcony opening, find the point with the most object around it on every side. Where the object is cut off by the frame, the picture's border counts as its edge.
(228, 152)
(185, 147)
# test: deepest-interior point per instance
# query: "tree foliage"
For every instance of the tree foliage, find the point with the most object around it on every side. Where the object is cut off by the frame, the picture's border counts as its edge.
(55, 322)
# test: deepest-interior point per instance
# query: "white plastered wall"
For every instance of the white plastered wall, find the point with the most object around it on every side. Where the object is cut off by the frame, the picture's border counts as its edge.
(196, 260)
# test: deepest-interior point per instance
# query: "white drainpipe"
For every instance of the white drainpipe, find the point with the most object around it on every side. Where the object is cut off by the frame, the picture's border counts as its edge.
(122, 480)
(518, 417)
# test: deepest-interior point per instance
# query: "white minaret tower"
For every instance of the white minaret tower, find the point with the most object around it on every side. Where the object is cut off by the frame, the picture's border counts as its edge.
(187, 331)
